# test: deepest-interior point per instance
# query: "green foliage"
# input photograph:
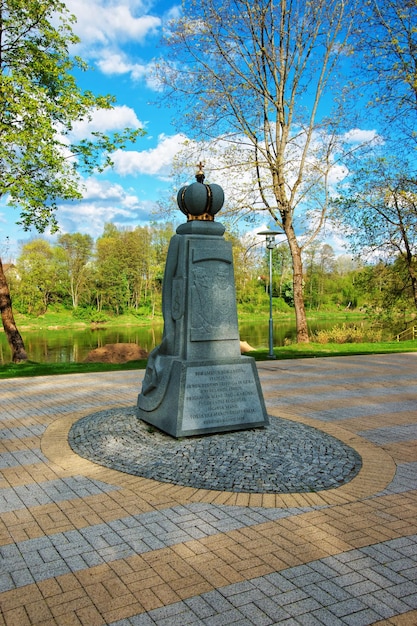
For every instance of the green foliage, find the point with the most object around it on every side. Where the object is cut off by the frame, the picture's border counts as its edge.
(88, 314)
(279, 305)
(347, 334)
(287, 291)
(380, 207)
(122, 272)
(41, 278)
(77, 252)
(384, 288)
(129, 266)
(146, 309)
(39, 102)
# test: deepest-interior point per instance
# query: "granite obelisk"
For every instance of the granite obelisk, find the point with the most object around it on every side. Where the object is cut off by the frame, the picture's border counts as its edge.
(196, 380)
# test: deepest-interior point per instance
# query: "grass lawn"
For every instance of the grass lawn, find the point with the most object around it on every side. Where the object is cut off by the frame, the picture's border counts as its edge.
(293, 351)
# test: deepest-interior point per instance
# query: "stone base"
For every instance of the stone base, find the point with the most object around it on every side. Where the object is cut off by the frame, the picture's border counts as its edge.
(206, 397)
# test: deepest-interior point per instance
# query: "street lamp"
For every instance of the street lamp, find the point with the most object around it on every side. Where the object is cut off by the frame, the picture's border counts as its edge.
(270, 244)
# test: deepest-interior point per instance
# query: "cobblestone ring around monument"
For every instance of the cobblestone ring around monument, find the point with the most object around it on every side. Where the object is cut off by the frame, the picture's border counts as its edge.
(283, 457)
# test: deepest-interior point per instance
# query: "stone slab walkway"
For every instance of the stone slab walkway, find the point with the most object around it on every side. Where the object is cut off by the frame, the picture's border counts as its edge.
(82, 544)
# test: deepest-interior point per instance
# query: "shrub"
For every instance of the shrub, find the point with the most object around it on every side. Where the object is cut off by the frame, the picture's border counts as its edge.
(90, 315)
(347, 334)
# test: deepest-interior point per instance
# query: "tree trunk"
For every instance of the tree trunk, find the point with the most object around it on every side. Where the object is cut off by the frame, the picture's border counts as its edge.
(300, 314)
(411, 264)
(13, 336)
(413, 279)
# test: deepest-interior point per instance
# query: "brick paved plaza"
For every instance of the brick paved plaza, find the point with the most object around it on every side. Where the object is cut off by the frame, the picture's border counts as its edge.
(81, 544)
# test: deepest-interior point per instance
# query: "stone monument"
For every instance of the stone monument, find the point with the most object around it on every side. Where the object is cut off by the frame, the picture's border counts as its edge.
(196, 380)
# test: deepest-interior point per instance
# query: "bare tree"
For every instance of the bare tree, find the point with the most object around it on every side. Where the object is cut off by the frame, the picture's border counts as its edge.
(251, 75)
(386, 40)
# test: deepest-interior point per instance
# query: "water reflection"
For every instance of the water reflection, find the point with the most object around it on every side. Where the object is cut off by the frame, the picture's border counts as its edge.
(72, 346)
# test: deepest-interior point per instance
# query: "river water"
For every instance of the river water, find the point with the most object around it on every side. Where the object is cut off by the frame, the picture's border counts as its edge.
(66, 346)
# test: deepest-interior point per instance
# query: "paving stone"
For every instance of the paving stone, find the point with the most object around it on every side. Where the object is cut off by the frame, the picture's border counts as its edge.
(361, 618)
(381, 609)
(21, 457)
(362, 588)
(200, 607)
(330, 587)
(347, 580)
(218, 601)
(140, 620)
(357, 587)
(327, 618)
(272, 609)
(71, 488)
(392, 601)
(225, 618)
(279, 582)
(308, 620)
(256, 615)
(347, 607)
(172, 610)
(319, 594)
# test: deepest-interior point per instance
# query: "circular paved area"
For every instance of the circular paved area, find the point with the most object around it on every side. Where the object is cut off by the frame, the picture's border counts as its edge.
(283, 457)
(85, 544)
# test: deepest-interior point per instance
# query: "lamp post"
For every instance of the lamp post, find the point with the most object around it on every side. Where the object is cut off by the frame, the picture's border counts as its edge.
(270, 244)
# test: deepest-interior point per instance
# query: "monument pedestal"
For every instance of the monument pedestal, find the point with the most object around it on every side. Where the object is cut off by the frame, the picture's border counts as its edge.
(208, 397)
(196, 380)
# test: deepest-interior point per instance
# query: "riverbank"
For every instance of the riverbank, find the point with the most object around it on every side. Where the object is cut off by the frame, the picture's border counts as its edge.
(61, 319)
(65, 320)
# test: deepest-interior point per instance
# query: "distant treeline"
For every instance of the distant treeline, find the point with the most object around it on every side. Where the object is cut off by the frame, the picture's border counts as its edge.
(122, 271)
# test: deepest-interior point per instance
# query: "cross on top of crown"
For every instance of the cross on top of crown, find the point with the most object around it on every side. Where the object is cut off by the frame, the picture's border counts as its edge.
(200, 173)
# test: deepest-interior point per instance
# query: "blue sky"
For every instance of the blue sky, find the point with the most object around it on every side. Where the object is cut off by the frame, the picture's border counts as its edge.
(120, 39)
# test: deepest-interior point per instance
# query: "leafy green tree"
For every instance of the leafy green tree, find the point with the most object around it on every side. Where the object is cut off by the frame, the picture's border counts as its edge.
(381, 289)
(129, 266)
(246, 269)
(251, 76)
(42, 276)
(161, 235)
(39, 103)
(78, 253)
(111, 284)
(380, 208)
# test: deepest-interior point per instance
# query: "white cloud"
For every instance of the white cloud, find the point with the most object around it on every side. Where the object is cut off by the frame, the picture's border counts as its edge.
(98, 190)
(116, 63)
(105, 26)
(337, 173)
(359, 136)
(103, 23)
(155, 161)
(105, 121)
(104, 201)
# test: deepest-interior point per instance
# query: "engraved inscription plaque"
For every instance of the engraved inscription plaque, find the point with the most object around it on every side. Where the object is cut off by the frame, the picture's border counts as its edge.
(221, 396)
